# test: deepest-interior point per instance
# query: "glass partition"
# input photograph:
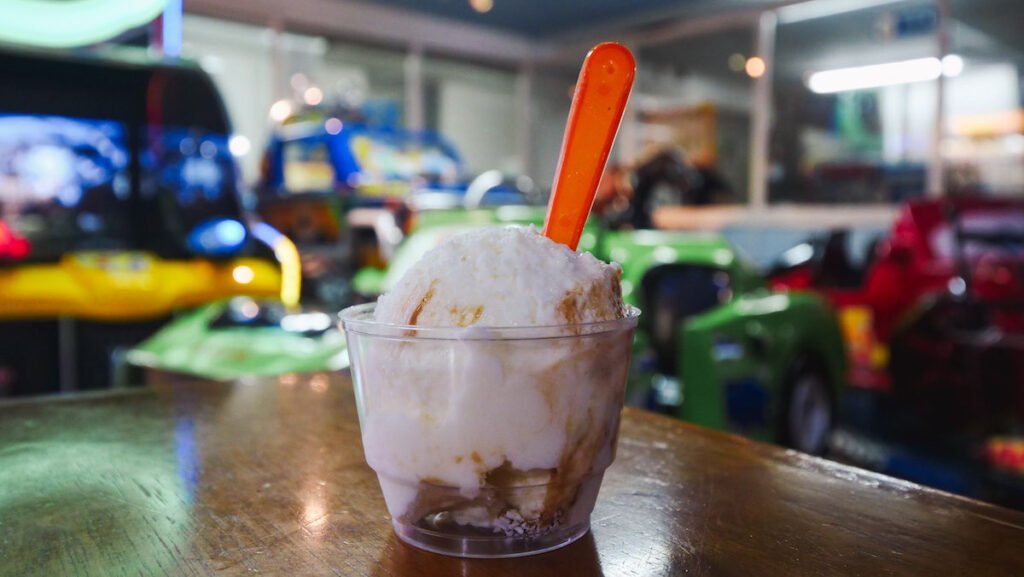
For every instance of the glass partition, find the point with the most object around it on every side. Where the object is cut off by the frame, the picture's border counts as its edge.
(854, 104)
(693, 97)
(983, 140)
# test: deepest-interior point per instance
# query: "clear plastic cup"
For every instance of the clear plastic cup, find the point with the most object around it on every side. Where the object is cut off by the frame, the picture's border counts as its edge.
(489, 442)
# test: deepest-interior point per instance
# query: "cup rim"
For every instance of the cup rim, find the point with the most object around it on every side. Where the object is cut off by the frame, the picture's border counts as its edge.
(358, 319)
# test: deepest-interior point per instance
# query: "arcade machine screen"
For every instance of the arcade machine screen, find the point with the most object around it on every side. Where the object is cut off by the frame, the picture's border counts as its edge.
(192, 177)
(307, 167)
(63, 186)
(387, 161)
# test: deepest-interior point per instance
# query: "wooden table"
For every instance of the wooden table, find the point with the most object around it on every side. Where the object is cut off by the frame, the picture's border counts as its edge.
(268, 477)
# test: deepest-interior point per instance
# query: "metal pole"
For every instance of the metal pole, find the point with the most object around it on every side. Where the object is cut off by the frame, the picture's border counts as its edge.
(278, 77)
(628, 140)
(761, 113)
(414, 119)
(524, 121)
(936, 185)
(629, 135)
(170, 29)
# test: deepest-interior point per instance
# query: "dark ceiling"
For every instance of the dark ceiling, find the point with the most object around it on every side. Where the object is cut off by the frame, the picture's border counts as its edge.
(981, 28)
(550, 18)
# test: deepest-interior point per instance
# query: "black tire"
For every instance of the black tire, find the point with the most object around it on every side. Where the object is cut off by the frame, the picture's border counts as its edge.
(808, 412)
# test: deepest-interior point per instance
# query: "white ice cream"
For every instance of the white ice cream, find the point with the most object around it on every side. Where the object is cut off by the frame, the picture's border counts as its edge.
(500, 277)
(479, 414)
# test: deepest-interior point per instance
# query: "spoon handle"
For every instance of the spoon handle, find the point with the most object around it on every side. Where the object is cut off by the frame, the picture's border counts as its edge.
(597, 105)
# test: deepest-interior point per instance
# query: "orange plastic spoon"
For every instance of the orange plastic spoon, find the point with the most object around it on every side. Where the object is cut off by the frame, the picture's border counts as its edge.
(601, 94)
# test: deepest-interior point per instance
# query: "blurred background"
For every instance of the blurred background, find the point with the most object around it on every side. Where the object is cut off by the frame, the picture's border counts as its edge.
(818, 205)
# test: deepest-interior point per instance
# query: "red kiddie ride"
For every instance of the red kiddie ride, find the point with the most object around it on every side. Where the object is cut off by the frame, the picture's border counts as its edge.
(933, 314)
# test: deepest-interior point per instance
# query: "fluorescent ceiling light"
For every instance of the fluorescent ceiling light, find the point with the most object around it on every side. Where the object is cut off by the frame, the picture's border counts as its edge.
(952, 65)
(815, 9)
(888, 74)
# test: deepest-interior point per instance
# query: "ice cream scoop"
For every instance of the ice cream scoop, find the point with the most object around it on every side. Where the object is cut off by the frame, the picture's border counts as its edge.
(503, 277)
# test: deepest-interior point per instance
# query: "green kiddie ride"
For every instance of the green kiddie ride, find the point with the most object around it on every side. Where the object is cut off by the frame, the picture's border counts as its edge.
(714, 346)
(243, 337)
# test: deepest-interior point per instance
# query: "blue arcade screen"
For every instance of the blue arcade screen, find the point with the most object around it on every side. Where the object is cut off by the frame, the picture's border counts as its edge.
(63, 182)
(193, 171)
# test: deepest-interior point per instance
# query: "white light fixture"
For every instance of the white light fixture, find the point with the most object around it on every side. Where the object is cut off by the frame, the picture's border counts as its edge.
(280, 110)
(814, 9)
(482, 6)
(755, 67)
(299, 81)
(333, 125)
(952, 65)
(243, 274)
(313, 96)
(239, 145)
(887, 74)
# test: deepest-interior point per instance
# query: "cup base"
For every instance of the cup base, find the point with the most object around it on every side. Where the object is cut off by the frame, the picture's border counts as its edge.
(488, 547)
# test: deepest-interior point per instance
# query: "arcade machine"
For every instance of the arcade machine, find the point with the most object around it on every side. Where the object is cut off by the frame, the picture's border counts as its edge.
(344, 186)
(120, 204)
